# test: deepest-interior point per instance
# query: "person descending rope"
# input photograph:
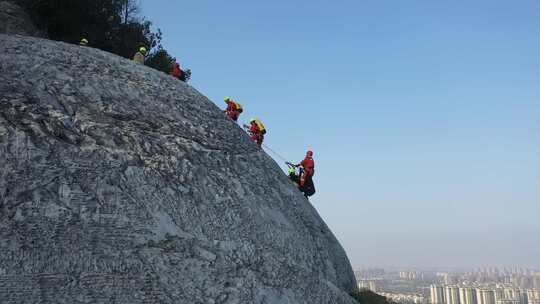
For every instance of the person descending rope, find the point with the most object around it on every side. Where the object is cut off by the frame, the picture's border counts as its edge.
(83, 42)
(256, 130)
(139, 56)
(304, 179)
(234, 109)
(176, 72)
(308, 164)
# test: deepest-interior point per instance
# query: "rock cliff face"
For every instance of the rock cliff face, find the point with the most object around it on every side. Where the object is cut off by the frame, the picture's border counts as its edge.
(14, 20)
(119, 184)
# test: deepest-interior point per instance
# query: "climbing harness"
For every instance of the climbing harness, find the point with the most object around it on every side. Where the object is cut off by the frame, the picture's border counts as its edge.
(302, 182)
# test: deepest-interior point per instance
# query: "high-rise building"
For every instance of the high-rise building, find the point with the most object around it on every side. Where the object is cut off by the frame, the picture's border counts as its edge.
(536, 282)
(373, 286)
(410, 275)
(533, 294)
(499, 294)
(523, 298)
(437, 294)
(446, 277)
(451, 295)
(488, 296)
(511, 293)
(467, 295)
(479, 296)
(367, 284)
(448, 296)
(508, 301)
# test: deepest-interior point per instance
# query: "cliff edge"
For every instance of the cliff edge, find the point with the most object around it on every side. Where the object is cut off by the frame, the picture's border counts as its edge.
(120, 184)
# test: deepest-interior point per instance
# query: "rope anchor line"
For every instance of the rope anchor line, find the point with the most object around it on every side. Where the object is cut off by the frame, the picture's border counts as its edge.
(275, 153)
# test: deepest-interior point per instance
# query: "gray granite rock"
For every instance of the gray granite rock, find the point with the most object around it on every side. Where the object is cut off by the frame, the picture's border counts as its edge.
(119, 184)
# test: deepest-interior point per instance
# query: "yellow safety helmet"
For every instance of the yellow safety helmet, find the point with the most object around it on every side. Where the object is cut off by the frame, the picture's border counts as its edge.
(226, 98)
(84, 41)
(142, 49)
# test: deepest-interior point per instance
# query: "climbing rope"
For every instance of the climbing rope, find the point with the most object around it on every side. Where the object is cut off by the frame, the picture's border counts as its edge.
(275, 153)
(268, 148)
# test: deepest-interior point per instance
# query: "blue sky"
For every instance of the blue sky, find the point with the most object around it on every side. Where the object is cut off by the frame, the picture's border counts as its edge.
(423, 115)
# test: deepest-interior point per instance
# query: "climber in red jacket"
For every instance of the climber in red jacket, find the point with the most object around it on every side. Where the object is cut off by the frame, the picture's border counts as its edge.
(176, 72)
(233, 109)
(256, 130)
(308, 165)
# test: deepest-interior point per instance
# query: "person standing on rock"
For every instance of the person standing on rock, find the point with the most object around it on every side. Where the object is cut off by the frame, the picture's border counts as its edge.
(139, 56)
(256, 130)
(233, 109)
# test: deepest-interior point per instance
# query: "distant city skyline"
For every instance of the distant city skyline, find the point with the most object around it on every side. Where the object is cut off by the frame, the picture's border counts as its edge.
(448, 269)
(483, 285)
(423, 115)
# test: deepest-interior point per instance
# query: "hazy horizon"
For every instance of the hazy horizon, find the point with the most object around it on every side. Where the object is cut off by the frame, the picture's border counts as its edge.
(390, 268)
(423, 115)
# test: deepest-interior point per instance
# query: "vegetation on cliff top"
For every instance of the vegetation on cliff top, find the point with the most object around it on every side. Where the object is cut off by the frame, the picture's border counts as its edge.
(115, 26)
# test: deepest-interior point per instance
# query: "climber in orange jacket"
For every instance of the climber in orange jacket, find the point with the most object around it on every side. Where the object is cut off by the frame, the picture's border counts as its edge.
(234, 109)
(256, 130)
